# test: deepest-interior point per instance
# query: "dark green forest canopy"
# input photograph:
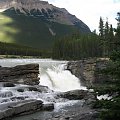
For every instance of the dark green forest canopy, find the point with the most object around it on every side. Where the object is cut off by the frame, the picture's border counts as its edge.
(77, 46)
(111, 108)
(15, 49)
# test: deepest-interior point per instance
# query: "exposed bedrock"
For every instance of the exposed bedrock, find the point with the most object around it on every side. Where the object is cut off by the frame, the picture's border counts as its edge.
(88, 71)
(24, 74)
(22, 108)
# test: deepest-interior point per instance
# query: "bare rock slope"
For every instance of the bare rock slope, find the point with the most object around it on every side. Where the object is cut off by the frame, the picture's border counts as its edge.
(37, 8)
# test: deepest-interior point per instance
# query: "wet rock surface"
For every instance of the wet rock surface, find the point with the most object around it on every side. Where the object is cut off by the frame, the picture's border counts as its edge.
(75, 105)
(76, 111)
(15, 102)
(29, 101)
(88, 97)
(24, 74)
(88, 70)
(74, 94)
(20, 108)
(71, 105)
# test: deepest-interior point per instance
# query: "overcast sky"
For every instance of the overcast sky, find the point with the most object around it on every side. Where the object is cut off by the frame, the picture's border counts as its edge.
(89, 11)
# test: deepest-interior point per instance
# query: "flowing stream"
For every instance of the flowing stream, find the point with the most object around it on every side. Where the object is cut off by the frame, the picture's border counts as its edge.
(52, 74)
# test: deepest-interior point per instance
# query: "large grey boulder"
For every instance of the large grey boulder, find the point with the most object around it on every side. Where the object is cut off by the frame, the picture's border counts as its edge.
(87, 96)
(74, 94)
(24, 74)
(20, 108)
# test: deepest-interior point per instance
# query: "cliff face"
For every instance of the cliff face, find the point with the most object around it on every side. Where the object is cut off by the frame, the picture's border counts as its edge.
(88, 71)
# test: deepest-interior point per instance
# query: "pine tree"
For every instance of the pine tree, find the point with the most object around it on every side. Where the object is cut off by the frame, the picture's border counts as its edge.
(102, 36)
(111, 39)
(106, 38)
(111, 108)
(117, 33)
(101, 28)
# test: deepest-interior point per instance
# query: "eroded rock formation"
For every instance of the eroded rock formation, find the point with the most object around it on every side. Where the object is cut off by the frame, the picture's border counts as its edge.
(24, 74)
(88, 71)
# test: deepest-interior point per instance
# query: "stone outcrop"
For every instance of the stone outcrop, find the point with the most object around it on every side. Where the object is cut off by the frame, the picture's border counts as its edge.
(24, 107)
(88, 70)
(24, 74)
(86, 95)
(74, 94)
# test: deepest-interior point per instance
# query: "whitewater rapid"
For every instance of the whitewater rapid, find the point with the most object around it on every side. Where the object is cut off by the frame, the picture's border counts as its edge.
(52, 73)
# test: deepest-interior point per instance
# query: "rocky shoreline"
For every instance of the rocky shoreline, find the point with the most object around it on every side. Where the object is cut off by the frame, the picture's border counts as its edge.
(17, 83)
(24, 74)
(88, 70)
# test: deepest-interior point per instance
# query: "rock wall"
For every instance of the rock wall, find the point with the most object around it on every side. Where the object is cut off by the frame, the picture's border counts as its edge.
(88, 70)
(24, 74)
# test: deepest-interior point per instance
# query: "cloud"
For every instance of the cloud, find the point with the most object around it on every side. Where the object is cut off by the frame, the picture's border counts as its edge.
(89, 11)
(116, 1)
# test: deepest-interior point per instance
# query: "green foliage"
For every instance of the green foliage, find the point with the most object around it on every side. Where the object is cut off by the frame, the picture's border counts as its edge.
(101, 28)
(107, 39)
(111, 108)
(30, 31)
(77, 46)
(14, 49)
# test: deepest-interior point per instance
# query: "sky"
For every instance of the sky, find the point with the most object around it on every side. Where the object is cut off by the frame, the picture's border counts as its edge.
(89, 11)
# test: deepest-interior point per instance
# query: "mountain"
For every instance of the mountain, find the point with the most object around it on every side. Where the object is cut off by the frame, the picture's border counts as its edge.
(36, 23)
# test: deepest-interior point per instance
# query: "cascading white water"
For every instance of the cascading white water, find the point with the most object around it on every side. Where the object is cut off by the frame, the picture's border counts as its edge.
(59, 79)
(52, 73)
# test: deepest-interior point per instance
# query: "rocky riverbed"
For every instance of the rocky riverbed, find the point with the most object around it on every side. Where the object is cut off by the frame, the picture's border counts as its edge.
(20, 94)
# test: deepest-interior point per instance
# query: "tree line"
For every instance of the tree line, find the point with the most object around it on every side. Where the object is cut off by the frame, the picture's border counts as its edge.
(110, 109)
(15, 49)
(77, 46)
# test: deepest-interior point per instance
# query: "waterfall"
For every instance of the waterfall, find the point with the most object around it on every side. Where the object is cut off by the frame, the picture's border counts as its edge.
(52, 73)
(59, 79)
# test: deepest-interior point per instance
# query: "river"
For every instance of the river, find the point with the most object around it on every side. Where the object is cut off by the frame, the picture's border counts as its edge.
(52, 74)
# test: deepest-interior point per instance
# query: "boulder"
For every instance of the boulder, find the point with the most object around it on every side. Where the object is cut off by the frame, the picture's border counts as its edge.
(24, 74)
(38, 88)
(74, 94)
(21, 108)
(48, 106)
(8, 85)
(89, 97)
(6, 94)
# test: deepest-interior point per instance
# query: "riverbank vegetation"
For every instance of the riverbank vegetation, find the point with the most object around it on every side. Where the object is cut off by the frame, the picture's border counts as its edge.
(77, 46)
(80, 46)
(10, 50)
(111, 107)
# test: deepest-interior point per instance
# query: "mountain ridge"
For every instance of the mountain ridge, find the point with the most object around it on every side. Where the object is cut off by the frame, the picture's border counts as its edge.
(36, 22)
(55, 14)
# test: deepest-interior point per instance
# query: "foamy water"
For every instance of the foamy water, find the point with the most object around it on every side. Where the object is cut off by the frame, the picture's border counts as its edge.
(52, 74)
(59, 79)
